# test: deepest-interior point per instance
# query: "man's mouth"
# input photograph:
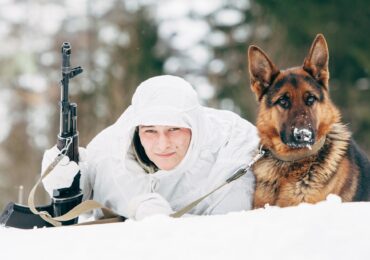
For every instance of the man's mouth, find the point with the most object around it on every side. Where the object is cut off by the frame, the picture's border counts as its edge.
(165, 155)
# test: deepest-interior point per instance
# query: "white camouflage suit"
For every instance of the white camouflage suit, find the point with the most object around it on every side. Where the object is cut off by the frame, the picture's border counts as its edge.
(221, 142)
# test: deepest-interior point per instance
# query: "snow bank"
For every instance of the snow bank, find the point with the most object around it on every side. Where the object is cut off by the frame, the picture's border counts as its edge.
(328, 230)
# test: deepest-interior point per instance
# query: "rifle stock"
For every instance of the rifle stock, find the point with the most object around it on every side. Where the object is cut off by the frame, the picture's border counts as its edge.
(63, 200)
(20, 216)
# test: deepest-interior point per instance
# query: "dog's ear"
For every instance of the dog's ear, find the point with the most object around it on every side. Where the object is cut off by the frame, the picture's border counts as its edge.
(317, 61)
(261, 71)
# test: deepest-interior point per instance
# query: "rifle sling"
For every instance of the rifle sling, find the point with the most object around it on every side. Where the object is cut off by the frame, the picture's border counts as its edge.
(239, 173)
(109, 215)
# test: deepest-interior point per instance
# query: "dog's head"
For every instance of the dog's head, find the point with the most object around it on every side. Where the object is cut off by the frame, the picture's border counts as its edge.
(295, 110)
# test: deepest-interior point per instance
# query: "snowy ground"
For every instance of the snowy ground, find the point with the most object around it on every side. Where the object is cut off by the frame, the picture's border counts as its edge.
(328, 230)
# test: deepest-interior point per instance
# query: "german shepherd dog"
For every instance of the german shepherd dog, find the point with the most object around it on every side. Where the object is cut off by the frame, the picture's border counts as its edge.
(309, 152)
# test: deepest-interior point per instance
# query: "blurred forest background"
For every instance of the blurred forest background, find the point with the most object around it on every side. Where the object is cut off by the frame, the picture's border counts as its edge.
(120, 43)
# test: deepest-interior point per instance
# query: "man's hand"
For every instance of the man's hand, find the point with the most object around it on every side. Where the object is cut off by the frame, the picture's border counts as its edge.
(64, 172)
(147, 205)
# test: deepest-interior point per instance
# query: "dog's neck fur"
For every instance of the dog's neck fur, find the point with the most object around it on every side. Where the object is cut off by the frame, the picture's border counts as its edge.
(299, 156)
(338, 135)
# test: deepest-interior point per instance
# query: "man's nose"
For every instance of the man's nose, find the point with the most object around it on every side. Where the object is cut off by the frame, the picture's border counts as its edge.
(163, 142)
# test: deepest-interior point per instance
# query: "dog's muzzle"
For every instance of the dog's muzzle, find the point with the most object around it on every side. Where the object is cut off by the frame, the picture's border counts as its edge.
(303, 137)
(300, 138)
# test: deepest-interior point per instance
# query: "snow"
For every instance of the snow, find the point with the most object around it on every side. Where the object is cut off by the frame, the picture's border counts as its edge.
(200, 54)
(217, 66)
(109, 34)
(46, 18)
(228, 17)
(96, 8)
(172, 9)
(189, 33)
(202, 86)
(327, 230)
(12, 13)
(184, 33)
(217, 38)
(32, 82)
(241, 33)
(5, 117)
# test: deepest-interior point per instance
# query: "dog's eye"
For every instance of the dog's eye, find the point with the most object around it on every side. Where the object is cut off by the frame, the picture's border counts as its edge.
(283, 102)
(310, 100)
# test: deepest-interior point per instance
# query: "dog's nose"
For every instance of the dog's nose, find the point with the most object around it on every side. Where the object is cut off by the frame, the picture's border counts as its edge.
(302, 135)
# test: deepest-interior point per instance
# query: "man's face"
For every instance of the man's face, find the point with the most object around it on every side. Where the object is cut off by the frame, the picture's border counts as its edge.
(165, 146)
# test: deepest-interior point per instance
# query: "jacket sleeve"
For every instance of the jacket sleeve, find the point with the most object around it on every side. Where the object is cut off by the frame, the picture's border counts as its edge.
(238, 197)
(148, 204)
(87, 176)
(238, 151)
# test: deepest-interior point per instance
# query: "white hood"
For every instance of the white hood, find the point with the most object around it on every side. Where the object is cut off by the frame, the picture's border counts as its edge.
(164, 100)
(221, 142)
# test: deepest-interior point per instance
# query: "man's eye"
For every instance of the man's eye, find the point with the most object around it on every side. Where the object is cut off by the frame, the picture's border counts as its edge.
(174, 129)
(149, 131)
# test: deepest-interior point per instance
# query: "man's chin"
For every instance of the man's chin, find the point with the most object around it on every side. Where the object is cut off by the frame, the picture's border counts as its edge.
(166, 166)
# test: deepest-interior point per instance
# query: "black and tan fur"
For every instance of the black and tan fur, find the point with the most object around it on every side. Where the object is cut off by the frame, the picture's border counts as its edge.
(310, 153)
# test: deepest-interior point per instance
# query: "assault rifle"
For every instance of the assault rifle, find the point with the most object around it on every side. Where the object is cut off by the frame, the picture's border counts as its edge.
(63, 200)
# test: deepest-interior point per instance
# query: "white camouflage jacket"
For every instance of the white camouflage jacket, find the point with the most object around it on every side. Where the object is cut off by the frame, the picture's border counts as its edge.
(221, 143)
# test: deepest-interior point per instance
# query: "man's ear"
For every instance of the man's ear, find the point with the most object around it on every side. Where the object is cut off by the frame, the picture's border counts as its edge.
(261, 71)
(317, 61)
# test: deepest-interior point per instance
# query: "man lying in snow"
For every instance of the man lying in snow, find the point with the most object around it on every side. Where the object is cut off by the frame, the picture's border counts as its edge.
(165, 151)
